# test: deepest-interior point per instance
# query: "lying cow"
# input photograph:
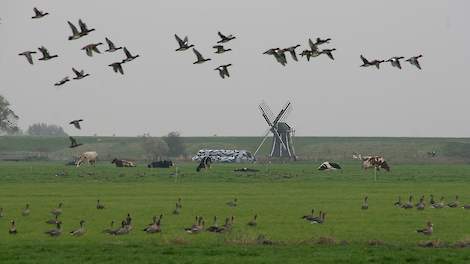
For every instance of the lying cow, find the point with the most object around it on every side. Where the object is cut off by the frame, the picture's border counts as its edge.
(161, 164)
(89, 156)
(329, 166)
(204, 164)
(123, 163)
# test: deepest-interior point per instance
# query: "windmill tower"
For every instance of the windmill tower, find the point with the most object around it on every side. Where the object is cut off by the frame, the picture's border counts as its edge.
(282, 145)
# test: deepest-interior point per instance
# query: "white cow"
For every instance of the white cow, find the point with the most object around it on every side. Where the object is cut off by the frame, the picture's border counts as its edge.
(89, 156)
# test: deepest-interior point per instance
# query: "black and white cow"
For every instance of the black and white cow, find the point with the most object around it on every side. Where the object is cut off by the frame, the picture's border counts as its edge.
(204, 164)
(123, 163)
(329, 166)
(161, 164)
(376, 162)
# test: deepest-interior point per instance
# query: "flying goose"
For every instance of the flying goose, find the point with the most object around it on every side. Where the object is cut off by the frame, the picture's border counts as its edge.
(54, 232)
(220, 49)
(38, 13)
(366, 63)
(223, 71)
(328, 52)
(455, 203)
(278, 54)
(79, 74)
(99, 205)
(232, 203)
(93, 47)
(183, 43)
(28, 55)
(395, 61)
(200, 58)
(26, 211)
(111, 46)
(414, 61)
(307, 53)
(398, 203)
(73, 143)
(75, 33)
(320, 41)
(84, 29)
(58, 210)
(80, 231)
(214, 227)
(224, 39)
(45, 54)
(12, 230)
(76, 123)
(129, 56)
(54, 221)
(427, 230)
(409, 204)
(63, 81)
(365, 204)
(253, 221)
(291, 50)
(117, 67)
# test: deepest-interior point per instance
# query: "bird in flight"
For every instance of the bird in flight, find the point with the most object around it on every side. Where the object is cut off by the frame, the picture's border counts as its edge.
(76, 123)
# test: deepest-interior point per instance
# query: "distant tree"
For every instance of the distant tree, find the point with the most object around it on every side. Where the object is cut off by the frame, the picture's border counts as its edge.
(43, 129)
(8, 118)
(154, 148)
(175, 144)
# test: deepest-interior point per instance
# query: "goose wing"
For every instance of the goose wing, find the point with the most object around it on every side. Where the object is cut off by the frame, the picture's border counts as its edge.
(417, 64)
(76, 72)
(198, 55)
(128, 54)
(312, 45)
(82, 25)
(222, 36)
(110, 43)
(181, 43)
(73, 27)
(37, 12)
(364, 60)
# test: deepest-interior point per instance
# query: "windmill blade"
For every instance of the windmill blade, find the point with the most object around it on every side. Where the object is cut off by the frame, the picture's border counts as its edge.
(264, 108)
(284, 110)
(266, 117)
(286, 114)
(262, 142)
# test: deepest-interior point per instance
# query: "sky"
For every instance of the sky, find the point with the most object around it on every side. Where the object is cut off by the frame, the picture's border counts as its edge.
(163, 91)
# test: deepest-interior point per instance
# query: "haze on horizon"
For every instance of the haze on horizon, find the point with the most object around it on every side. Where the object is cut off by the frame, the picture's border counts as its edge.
(163, 91)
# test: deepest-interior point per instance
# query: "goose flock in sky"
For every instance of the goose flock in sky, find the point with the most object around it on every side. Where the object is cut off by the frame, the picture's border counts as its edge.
(90, 49)
(394, 61)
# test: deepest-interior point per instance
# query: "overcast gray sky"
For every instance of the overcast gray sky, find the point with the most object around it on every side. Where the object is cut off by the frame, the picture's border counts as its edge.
(163, 91)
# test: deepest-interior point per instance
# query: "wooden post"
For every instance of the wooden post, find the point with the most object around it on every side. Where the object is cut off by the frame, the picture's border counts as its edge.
(375, 173)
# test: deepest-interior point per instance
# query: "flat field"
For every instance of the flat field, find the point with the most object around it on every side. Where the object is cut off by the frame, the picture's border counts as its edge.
(279, 193)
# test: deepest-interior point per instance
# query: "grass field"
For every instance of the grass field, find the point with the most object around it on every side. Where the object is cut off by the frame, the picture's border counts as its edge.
(280, 194)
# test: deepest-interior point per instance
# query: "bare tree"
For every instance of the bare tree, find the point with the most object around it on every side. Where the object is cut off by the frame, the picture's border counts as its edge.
(175, 144)
(154, 148)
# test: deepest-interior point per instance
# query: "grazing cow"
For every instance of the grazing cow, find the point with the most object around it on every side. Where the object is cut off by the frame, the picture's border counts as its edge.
(204, 164)
(89, 156)
(329, 166)
(161, 164)
(123, 163)
(376, 162)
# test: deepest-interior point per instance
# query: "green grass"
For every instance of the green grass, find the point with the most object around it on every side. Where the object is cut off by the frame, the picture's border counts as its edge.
(279, 194)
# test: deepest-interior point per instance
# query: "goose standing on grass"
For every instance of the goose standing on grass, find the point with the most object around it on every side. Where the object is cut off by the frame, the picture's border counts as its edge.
(367, 63)
(54, 232)
(111, 46)
(99, 205)
(223, 70)
(58, 210)
(129, 56)
(63, 81)
(395, 61)
(232, 203)
(421, 204)
(93, 47)
(409, 204)
(73, 143)
(26, 211)
(253, 221)
(28, 55)
(455, 203)
(76, 123)
(80, 231)
(224, 39)
(200, 58)
(329, 53)
(79, 74)
(220, 49)
(45, 54)
(178, 207)
(12, 230)
(365, 204)
(398, 203)
(183, 43)
(117, 67)
(427, 230)
(129, 221)
(84, 28)
(54, 221)
(38, 13)
(320, 41)
(414, 61)
(292, 52)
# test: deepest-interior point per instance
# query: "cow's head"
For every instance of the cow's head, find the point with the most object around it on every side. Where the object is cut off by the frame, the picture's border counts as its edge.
(323, 166)
(114, 161)
(385, 166)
